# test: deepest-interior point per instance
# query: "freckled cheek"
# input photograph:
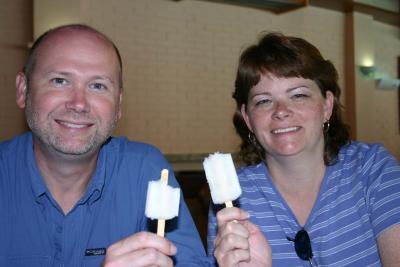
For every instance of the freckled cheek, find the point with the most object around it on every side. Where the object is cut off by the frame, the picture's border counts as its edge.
(317, 109)
(314, 112)
(259, 120)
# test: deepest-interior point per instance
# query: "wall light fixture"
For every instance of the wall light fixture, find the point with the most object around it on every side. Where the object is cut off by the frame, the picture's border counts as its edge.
(367, 72)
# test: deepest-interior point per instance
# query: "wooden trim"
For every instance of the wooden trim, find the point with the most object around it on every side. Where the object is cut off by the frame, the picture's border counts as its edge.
(379, 14)
(398, 90)
(382, 15)
(274, 6)
(350, 83)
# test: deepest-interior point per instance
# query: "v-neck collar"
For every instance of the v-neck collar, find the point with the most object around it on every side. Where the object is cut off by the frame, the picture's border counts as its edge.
(283, 212)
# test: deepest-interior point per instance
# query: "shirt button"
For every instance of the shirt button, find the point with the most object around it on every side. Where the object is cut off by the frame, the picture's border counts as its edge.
(57, 256)
(59, 229)
(57, 246)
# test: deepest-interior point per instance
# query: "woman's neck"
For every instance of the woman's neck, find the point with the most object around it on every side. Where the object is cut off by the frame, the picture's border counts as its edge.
(298, 180)
(299, 171)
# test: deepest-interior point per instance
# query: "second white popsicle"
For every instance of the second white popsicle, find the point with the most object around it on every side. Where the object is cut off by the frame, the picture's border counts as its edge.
(222, 178)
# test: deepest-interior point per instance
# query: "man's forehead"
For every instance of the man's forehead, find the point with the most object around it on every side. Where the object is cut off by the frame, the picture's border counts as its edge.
(66, 35)
(77, 43)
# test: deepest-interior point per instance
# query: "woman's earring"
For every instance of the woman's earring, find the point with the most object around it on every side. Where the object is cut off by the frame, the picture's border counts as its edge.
(326, 126)
(252, 138)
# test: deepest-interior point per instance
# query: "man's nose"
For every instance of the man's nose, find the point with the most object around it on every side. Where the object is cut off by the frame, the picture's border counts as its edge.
(78, 101)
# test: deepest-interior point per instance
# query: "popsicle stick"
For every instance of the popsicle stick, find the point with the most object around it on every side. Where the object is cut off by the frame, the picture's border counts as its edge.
(161, 222)
(228, 204)
(161, 227)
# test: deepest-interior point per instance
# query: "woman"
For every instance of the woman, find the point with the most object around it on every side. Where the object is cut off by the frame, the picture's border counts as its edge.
(311, 197)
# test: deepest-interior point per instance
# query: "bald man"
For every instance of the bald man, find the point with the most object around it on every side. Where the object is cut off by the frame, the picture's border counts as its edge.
(70, 194)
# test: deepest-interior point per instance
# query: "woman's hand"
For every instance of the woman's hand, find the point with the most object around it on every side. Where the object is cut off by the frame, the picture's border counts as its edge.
(240, 242)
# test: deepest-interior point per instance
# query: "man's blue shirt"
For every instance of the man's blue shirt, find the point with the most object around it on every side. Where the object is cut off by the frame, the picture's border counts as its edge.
(35, 232)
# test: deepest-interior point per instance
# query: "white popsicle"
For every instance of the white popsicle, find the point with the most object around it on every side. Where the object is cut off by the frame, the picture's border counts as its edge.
(162, 201)
(222, 178)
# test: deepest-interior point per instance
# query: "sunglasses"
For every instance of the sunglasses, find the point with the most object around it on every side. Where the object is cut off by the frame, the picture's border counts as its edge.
(302, 245)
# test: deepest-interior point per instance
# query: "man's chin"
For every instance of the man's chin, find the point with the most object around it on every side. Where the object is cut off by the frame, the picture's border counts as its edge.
(73, 152)
(75, 149)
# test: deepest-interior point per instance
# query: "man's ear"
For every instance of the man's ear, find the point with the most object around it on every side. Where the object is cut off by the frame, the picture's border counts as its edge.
(21, 85)
(120, 105)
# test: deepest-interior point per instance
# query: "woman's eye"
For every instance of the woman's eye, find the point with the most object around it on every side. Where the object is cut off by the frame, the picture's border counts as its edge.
(262, 102)
(59, 81)
(297, 96)
(98, 86)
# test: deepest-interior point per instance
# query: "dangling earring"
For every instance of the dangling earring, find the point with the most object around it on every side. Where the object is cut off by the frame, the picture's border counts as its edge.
(251, 138)
(326, 126)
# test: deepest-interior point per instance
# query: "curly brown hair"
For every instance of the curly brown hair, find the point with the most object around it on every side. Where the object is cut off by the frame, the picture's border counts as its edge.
(286, 56)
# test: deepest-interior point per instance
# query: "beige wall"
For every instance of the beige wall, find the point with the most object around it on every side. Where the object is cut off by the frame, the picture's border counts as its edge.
(52, 13)
(386, 104)
(378, 113)
(15, 33)
(180, 59)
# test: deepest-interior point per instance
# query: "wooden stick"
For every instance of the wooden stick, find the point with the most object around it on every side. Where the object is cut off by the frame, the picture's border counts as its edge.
(228, 204)
(161, 222)
(160, 227)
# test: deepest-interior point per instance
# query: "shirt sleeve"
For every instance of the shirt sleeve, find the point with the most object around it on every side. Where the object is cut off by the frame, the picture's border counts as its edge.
(180, 230)
(383, 191)
(211, 234)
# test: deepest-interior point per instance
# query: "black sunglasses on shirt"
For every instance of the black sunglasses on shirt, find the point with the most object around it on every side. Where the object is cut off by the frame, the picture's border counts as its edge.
(302, 245)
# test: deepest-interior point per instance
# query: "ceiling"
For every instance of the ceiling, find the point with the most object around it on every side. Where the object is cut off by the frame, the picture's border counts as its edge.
(276, 6)
(386, 11)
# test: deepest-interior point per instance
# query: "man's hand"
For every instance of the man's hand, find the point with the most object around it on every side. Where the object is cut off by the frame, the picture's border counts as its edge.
(240, 242)
(140, 249)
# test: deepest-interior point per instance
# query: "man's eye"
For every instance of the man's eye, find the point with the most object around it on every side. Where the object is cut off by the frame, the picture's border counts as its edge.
(98, 86)
(59, 81)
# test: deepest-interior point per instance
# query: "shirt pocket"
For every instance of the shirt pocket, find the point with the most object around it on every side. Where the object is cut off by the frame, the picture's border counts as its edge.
(31, 261)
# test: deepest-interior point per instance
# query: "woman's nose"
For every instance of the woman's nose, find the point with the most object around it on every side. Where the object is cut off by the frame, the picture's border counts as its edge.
(281, 111)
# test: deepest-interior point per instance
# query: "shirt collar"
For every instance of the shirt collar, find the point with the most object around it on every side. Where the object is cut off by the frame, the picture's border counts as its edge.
(38, 186)
(95, 187)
